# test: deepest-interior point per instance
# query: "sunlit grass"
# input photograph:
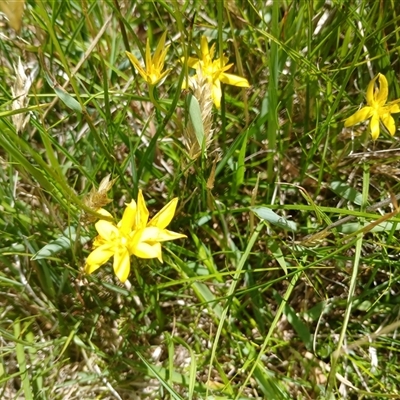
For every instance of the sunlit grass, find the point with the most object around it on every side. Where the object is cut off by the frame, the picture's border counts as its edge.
(286, 285)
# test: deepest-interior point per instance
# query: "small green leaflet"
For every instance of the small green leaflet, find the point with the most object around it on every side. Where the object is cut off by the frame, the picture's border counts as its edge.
(347, 192)
(268, 215)
(65, 97)
(63, 242)
(68, 100)
(193, 107)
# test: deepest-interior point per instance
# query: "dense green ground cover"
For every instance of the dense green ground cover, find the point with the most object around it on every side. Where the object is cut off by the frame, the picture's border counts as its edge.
(269, 296)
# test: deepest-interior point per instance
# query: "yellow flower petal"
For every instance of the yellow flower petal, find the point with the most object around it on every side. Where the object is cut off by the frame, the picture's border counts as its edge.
(359, 116)
(216, 93)
(98, 257)
(381, 95)
(165, 215)
(154, 234)
(193, 62)
(393, 108)
(374, 126)
(211, 53)
(165, 235)
(161, 52)
(160, 78)
(129, 218)
(388, 121)
(224, 67)
(370, 92)
(234, 80)
(149, 234)
(148, 61)
(225, 62)
(159, 62)
(98, 241)
(137, 65)
(142, 214)
(122, 264)
(104, 212)
(148, 250)
(204, 47)
(106, 229)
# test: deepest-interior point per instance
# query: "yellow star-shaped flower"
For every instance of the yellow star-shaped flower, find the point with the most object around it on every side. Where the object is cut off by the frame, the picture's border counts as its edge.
(113, 240)
(133, 235)
(152, 73)
(146, 240)
(376, 109)
(214, 71)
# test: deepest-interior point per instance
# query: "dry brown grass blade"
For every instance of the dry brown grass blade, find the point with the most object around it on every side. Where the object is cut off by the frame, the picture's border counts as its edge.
(13, 10)
(20, 92)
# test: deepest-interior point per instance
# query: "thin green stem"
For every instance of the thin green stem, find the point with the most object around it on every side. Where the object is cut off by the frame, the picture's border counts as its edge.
(353, 283)
(155, 102)
(274, 324)
(272, 123)
(230, 294)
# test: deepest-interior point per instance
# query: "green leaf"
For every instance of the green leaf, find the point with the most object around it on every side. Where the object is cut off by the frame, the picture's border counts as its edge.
(268, 215)
(277, 253)
(160, 374)
(68, 100)
(298, 325)
(193, 107)
(347, 192)
(355, 226)
(21, 359)
(241, 163)
(315, 312)
(63, 242)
